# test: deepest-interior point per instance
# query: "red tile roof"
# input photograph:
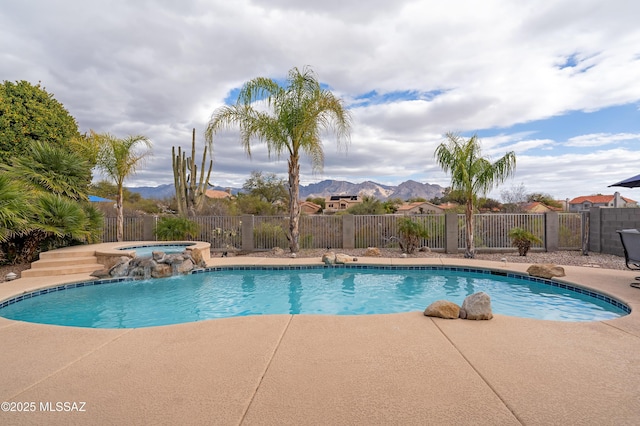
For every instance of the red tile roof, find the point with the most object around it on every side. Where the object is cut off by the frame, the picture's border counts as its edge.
(597, 199)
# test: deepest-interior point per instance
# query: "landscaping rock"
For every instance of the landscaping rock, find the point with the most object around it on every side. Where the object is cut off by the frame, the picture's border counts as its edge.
(442, 309)
(121, 268)
(373, 252)
(329, 258)
(545, 270)
(161, 270)
(157, 255)
(476, 307)
(342, 258)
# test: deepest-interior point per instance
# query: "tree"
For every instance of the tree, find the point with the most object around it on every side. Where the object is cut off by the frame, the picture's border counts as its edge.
(472, 174)
(268, 187)
(119, 159)
(13, 217)
(369, 205)
(545, 199)
(293, 123)
(29, 113)
(51, 168)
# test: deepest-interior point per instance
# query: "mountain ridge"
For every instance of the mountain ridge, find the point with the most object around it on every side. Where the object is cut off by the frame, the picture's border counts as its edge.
(405, 190)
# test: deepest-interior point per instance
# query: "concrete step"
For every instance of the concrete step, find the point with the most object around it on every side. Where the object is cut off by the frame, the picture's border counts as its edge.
(79, 251)
(61, 270)
(64, 261)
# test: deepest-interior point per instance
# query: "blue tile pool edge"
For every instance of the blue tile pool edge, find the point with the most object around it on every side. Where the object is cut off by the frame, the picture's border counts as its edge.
(563, 285)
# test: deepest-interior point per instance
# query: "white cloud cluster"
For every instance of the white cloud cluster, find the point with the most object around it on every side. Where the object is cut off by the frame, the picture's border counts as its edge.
(161, 68)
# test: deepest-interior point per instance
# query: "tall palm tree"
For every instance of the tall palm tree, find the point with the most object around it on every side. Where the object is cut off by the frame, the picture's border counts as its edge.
(119, 159)
(472, 174)
(295, 118)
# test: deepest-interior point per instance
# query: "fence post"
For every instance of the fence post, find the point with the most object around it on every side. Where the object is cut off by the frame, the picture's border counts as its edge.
(148, 226)
(451, 233)
(246, 225)
(593, 233)
(348, 232)
(551, 231)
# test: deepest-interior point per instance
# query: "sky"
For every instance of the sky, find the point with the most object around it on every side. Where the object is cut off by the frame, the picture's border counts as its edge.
(555, 81)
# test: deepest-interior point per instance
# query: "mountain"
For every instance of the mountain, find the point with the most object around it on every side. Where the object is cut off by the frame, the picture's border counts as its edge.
(340, 187)
(156, 192)
(404, 191)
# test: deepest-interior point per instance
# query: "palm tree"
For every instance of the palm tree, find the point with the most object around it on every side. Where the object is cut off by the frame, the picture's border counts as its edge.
(472, 174)
(119, 159)
(53, 169)
(13, 203)
(298, 114)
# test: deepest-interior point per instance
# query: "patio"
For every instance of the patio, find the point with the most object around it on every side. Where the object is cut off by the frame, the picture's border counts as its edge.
(306, 369)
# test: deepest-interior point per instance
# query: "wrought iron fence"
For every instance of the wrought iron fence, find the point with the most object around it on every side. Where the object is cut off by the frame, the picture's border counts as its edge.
(570, 231)
(382, 230)
(328, 231)
(491, 231)
(133, 229)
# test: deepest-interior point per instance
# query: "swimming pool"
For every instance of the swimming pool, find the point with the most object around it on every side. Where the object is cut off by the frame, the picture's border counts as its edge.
(147, 250)
(349, 290)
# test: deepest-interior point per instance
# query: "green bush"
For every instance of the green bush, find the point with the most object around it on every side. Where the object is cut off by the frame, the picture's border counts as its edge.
(175, 228)
(410, 233)
(522, 239)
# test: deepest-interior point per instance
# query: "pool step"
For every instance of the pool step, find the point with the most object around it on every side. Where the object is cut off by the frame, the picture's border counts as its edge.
(63, 263)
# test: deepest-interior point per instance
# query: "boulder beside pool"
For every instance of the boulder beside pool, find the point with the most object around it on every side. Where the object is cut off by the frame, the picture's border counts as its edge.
(442, 309)
(476, 306)
(545, 270)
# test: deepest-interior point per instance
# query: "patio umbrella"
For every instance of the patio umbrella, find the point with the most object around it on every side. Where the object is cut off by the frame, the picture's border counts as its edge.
(632, 182)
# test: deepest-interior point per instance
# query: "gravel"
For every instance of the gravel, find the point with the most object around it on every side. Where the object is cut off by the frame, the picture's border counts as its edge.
(570, 258)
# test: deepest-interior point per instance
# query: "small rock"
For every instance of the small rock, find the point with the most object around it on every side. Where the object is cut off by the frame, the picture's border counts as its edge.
(442, 309)
(545, 270)
(157, 255)
(372, 252)
(403, 255)
(476, 306)
(11, 276)
(342, 258)
(329, 258)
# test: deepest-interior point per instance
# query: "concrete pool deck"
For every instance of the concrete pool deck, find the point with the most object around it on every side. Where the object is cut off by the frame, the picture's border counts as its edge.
(312, 369)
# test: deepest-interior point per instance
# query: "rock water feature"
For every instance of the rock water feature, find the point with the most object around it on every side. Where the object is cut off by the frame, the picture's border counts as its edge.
(158, 265)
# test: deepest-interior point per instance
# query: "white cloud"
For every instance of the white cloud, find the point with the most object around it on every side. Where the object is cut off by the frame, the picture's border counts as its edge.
(162, 68)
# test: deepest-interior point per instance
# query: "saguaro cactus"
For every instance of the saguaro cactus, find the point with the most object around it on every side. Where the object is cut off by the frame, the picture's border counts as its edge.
(189, 193)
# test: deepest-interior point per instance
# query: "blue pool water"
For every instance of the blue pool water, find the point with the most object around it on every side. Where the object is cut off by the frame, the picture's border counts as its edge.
(313, 290)
(145, 251)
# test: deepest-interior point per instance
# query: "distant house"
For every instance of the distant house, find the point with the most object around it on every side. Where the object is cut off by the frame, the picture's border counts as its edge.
(218, 195)
(583, 203)
(307, 207)
(336, 203)
(538, 207)
(448, 206)
(419, 207)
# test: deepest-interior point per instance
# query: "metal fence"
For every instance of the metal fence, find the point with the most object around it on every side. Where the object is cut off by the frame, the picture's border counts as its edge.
(491, 231)
(133, 229)
(570, 231)
(382, 230)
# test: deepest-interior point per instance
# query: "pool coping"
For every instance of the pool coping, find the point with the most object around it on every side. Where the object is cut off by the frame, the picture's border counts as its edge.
(296, 369)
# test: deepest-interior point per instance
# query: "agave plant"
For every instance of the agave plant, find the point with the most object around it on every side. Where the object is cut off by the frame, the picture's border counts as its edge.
(522, 239)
